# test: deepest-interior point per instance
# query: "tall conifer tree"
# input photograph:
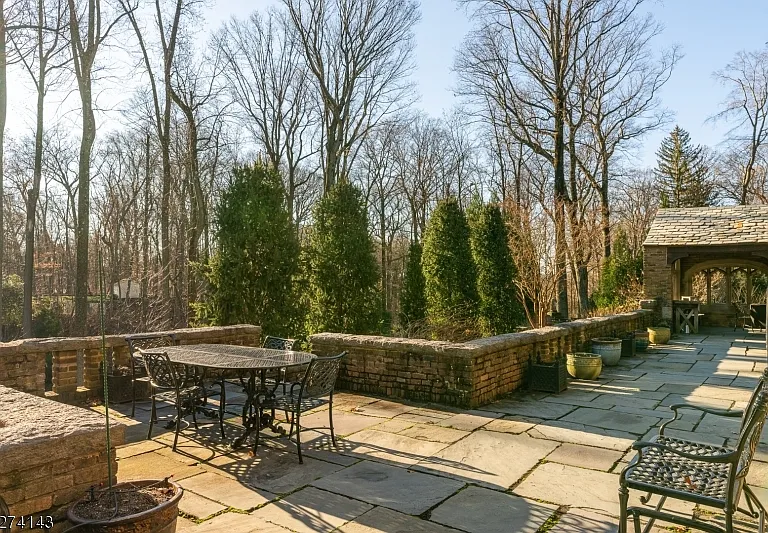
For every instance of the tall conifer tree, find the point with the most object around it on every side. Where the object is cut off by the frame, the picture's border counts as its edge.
(683, 172)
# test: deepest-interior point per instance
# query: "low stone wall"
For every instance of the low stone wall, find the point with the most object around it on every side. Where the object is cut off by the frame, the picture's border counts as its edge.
(76, 360)
(50, 453)
(462, 374)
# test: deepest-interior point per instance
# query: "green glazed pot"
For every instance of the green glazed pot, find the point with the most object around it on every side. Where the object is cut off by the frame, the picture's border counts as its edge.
(583, 365)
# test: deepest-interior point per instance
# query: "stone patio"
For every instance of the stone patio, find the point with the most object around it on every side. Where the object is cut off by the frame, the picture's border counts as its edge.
(530, 463)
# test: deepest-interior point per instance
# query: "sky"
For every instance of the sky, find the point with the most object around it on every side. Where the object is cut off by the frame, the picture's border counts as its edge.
(709, 32)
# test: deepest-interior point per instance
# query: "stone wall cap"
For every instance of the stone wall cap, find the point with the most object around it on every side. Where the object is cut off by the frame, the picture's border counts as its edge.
(470, 348)
(27, 419)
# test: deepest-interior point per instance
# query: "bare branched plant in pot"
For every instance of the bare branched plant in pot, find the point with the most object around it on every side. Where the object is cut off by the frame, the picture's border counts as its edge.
(141, 506)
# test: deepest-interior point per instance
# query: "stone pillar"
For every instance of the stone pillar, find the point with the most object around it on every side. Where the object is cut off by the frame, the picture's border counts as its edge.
(91, 366)
(65, 372)
(657, 278)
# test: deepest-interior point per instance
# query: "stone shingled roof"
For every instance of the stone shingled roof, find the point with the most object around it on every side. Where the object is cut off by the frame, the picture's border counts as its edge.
(703, 226)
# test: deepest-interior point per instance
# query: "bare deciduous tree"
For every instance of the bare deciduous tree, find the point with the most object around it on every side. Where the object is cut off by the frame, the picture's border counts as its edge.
(359, 53)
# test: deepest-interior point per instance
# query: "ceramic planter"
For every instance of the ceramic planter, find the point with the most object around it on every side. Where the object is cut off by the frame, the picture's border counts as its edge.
(659, 335)
(161, 519)
(583, 365)
(609, 348)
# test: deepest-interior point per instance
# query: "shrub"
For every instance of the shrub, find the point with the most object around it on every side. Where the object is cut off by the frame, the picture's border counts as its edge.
(449, 271)
(499, 310)
(251, 275)
(343, 274)
(413, 302)
(621, 276)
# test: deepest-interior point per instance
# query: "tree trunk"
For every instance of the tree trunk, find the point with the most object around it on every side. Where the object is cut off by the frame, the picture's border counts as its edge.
(3, 116)
(145, 240)
(560, 199)
(605, 209)
(80, 325)
(34, 193)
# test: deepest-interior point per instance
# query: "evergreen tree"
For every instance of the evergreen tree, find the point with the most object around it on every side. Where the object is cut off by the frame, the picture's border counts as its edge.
(683, 173)
(621, 271)
(251, 276)
(413, 302)
(449, 271)
(499, 309)
(344, 275)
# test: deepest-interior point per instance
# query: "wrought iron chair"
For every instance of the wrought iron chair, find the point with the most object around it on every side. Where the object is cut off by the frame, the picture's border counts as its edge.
(273, 343)
(143, 341)
(742, 316)
(184, 390)
(713, 476)
(318, 382)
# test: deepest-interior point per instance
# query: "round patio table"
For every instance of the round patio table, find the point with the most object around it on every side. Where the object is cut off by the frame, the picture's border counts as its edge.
(250, 360)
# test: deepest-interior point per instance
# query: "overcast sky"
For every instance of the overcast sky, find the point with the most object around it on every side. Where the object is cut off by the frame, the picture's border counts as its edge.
(710, 32)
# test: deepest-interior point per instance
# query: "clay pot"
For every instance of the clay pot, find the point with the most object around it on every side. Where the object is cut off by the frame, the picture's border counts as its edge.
(659, 335)
(609, 348)
(161, 519)
(583, 365)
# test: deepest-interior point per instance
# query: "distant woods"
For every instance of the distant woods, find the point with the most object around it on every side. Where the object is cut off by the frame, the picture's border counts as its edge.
(297, 131)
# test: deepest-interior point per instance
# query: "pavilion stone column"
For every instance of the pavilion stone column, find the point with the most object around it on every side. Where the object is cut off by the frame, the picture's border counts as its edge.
(657, 278)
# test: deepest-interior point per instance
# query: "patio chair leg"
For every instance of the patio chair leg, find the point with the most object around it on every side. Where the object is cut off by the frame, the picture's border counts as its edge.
(222, 407)
(729, 522)
(152, 415)
(298, 436)
(193, 407)
(636, 522)
(293, 419)
(330, 419)
(179, 416)
(623, 500)
(133, 397)
(762, 522)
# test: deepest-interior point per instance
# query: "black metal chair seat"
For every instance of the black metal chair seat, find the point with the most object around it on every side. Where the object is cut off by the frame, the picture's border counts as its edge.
(705, 474)
(658, 471)
(186, 394)
(294, 404)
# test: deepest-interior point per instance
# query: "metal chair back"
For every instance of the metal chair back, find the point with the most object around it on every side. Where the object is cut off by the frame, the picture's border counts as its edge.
(278, 343)
(747, 445)
(146, 341)
(320, 377)
(162, 374)
(761, 385)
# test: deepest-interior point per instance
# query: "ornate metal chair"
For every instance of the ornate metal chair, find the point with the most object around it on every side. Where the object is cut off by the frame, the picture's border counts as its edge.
(173, 385)
(318, 382)
(712, 476)
(143, 341)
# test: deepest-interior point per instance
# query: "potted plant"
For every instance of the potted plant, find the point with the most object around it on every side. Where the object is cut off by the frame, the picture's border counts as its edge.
(659, 334)
(548, 377)
(582, 365)
(641, 340)
(145, 506)
(609, 348)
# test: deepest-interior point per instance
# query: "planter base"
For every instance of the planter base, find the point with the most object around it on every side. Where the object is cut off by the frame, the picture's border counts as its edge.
(161, 519)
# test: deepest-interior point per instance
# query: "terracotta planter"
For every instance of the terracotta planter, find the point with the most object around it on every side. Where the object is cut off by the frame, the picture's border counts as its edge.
(609, 348)
(659, 335)
(583, 365)
(161, 519)
(641, 340)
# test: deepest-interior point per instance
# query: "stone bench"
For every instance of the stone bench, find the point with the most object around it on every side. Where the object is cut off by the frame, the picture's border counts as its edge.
(50, 453)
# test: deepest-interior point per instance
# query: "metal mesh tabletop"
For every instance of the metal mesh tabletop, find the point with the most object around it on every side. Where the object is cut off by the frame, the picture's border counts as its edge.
(228, 356)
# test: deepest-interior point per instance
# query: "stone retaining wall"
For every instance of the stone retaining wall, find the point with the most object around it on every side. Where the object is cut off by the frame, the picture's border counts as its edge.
(76, 360)
(50, 453)
(462, 374)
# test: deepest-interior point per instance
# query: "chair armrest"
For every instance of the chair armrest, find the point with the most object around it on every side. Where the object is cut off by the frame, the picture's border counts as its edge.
(708, 410)
(714, 458)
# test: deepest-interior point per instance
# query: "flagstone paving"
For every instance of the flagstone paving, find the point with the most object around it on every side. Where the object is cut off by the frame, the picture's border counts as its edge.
(532, 462)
